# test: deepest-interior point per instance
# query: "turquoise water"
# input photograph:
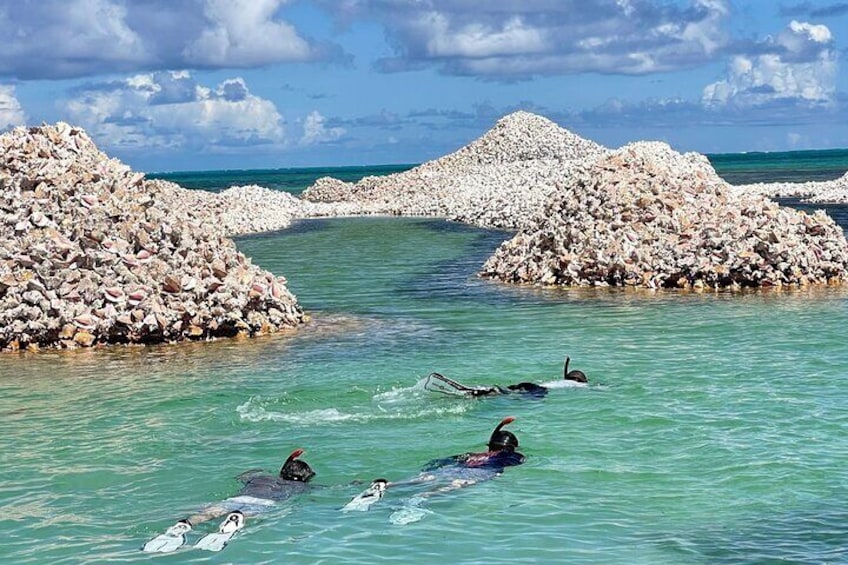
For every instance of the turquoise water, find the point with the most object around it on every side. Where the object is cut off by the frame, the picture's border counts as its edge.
(713, 429)
(288, 180)
(787, 166)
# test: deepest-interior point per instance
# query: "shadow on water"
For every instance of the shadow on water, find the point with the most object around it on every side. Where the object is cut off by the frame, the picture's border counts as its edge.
(454, 279)
(298, 227)
(801, 537)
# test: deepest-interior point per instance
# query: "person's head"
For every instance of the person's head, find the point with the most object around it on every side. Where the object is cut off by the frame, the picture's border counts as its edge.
(575, 375)
(503, 440)
(296, 470)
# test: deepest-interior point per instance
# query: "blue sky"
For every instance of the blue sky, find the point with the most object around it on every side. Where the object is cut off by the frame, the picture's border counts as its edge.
(170, 85)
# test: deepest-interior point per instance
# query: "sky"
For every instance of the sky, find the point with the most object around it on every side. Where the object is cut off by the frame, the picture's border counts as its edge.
(182, 85)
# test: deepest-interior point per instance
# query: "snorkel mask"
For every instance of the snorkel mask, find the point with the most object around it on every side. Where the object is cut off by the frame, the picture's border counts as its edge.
(575, 375)
(296, 470)
(502, 440)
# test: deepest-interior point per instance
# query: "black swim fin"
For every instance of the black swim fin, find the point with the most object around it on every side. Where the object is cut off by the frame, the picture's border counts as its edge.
(436, 382)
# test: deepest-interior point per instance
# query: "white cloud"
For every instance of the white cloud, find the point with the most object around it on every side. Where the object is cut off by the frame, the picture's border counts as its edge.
(11, 113)
(55, 39)
(244, 31)
(172, 110)
(316, 131)
(517, 39)
(58, 38)
(476, 40)
(800, 64)
(795, 140)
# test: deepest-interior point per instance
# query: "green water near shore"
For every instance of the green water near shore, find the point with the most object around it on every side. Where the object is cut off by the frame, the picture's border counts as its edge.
(713, 429)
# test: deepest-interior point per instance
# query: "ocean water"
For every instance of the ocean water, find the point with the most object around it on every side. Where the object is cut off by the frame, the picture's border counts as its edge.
(735, 168)
(790, 166)
(289, 180)
(713, 429)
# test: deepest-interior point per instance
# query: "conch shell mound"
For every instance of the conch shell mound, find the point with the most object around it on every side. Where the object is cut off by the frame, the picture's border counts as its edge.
(647, 216)
(91, 253)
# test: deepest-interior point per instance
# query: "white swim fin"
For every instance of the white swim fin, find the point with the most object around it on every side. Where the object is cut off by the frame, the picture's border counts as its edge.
(364, 500)
(173, 539)
(218, 540)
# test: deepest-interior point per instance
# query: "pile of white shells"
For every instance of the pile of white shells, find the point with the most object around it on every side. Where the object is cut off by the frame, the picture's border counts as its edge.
(829, 191)
(520, 136)
(499, 180)
(91, 252)
(648, 216)
(329, 189)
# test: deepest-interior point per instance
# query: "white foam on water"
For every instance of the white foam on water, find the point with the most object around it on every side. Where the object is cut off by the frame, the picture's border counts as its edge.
(411, 512)
(562, 383)
(255, 410)
(402, 394)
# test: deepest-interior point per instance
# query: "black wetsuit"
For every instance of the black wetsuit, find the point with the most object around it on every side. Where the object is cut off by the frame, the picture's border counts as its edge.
(492, 461)
(529, 389)
(269, 487)
(261, 492)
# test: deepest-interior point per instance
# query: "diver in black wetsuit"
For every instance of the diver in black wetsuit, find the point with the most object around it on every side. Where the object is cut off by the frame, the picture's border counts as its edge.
(260, 491)
(436, 382)
(501, 453)
(293, 479)
(451, 473)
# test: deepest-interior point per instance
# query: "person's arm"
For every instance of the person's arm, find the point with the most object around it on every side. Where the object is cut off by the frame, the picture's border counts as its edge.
(508, 459)
(439, 463)
(487, 391)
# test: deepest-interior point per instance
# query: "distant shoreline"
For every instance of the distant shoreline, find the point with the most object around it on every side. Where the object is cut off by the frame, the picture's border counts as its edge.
(736, 168)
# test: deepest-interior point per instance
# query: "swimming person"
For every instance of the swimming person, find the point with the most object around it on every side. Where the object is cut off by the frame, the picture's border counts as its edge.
(436, 382)
(501, 453)
(447, 474)
(260, 493)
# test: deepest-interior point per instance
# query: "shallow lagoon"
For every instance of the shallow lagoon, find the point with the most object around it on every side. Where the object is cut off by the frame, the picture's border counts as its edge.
(713, 429)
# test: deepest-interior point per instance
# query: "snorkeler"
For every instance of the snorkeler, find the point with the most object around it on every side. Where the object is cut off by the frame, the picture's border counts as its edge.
(502, 453)
(436, 382)
(448, 474)
(260, 493)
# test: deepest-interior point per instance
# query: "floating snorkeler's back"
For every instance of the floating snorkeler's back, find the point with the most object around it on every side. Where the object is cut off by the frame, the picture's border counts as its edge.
(437, 382)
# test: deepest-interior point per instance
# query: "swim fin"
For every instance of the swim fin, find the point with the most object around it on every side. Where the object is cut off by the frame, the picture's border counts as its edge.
(364, 500)
(218, 540)
(173, 539)
(437, 382)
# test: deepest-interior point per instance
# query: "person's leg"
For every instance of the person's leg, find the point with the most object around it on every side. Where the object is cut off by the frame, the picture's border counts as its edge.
(209, 513)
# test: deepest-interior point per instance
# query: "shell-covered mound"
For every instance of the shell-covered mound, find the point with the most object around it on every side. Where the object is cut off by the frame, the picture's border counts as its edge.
(648, 216)
(499, 180)
(255, 209)
(520, 136)
(328, 189)
(93, 253)
(820, 192)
